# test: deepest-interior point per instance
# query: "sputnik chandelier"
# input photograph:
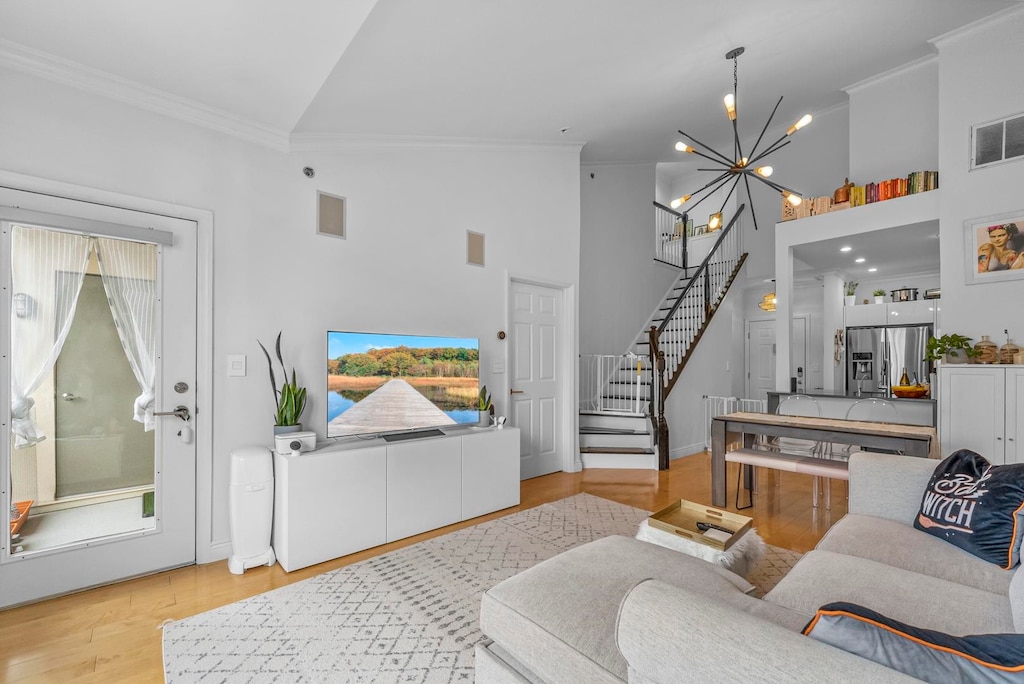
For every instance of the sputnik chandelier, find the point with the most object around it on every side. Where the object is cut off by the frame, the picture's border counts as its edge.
(740, 165)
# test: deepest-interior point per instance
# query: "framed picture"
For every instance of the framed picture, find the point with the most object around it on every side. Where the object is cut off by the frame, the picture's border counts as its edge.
(994, 248)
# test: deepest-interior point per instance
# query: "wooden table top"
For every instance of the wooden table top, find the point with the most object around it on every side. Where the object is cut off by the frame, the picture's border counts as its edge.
(861, 427)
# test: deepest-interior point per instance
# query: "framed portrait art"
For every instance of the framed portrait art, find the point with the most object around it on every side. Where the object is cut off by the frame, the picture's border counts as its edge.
(994, 248)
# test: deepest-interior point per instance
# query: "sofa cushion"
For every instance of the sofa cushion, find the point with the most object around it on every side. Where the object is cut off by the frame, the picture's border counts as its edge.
(977, 506)
(901, 546)
(923, 653)
(822, 577)
(558, 617)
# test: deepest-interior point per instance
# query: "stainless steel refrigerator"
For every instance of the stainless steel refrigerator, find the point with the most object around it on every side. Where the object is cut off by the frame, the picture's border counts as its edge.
(877, 357)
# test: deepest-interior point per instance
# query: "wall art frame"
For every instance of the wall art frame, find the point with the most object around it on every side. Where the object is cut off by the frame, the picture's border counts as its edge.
(994, 248)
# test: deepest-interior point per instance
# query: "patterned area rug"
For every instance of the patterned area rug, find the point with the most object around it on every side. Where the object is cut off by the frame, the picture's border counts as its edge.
(406, 616)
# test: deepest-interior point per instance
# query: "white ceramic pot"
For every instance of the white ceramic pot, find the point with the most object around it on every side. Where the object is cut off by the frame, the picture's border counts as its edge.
(880, 300)
(850, 300)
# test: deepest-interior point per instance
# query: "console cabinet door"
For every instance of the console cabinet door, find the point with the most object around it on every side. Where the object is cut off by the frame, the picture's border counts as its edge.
(424, 486)
(1014, 421)
(972, 410)
(490, 471)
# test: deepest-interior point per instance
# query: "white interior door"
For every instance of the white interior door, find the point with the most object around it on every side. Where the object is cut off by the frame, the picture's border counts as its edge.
(760, 359)
(535, 399)
(127, 503)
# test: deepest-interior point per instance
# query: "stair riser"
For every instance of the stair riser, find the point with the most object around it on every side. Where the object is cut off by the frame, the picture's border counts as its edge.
(622, 461)
(633, 423)
(606, 440)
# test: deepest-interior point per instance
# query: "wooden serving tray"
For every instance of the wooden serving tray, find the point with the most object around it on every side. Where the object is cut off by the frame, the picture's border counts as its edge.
(681, 518)
(23, 509)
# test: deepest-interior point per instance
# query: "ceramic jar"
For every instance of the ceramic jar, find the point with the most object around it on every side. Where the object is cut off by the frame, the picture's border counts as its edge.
(1008, 352)
(987, 350)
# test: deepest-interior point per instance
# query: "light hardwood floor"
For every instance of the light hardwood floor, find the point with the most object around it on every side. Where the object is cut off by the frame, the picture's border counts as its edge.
(112, 634)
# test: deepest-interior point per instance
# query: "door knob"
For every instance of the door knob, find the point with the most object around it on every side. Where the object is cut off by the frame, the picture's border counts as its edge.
(68, 396)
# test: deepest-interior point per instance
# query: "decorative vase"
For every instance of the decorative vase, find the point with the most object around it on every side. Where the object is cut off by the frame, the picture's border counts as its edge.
(988, 351)
(961, 357)
(1008, 352)
(850, 300)
(485, 418)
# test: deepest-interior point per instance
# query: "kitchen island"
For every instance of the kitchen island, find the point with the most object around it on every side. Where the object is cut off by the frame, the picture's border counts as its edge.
(835, 404)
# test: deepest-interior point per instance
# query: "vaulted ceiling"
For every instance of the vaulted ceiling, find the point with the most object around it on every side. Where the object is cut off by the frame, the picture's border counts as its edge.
(619, 76)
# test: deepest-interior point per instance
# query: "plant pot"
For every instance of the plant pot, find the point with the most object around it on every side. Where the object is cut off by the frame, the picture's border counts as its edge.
(850, 300)
(485, 418)
(880, 300)
(961, 357)
(285, 429)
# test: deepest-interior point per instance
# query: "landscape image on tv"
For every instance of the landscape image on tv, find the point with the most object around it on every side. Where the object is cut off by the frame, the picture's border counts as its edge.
(384, 383)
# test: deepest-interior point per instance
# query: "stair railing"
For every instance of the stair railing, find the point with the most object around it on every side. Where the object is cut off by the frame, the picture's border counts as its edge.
(688, 318)
(669, 236)
(615, 384)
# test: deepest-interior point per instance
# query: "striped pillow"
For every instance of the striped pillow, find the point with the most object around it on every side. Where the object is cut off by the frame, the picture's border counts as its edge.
(922, 653)
(976, 506)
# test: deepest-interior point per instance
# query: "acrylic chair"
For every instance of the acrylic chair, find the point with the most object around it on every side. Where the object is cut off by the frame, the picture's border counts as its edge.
(872, 410)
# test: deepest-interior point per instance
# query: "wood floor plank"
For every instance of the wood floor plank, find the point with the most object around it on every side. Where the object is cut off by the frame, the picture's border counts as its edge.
(111, 634)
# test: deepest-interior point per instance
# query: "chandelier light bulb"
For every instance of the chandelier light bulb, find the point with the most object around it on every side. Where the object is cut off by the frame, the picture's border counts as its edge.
(715, 221)
(793, 199)
(804, 120)
(679, 201)
(730, 106)
(764, 171)
(683, 147)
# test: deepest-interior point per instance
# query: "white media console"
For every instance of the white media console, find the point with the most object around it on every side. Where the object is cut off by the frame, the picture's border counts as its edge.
(357, 494)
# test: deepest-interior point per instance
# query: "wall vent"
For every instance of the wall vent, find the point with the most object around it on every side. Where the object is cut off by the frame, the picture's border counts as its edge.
(998, 141)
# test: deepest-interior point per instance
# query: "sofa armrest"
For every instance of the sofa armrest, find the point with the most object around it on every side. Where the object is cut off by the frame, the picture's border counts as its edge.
(669, 635)
(888, 486)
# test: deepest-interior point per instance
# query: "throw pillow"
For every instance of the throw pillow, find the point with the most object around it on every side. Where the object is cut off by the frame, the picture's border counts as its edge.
(976, 506)
(922, 653)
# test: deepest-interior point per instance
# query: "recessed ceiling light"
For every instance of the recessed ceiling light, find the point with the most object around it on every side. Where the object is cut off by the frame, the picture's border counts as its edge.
(860, 260)
(872, 270)
(847, 248)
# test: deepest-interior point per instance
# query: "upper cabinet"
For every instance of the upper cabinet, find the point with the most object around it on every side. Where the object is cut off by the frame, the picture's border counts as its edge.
(918, 312)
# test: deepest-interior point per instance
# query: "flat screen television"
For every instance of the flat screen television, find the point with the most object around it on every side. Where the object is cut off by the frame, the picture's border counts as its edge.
(381, 383)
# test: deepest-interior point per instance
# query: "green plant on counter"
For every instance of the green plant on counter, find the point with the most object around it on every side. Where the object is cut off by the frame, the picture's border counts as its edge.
(952, 345)
(291, 400)
(484, 400)
(850, 288)
(879, 293)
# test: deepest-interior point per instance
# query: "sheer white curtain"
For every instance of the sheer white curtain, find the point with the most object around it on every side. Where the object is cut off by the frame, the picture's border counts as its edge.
(128, 270)
(47, 270)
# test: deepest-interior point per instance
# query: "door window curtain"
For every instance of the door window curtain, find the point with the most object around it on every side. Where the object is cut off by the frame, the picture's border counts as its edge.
(128, 271)
(47, 270)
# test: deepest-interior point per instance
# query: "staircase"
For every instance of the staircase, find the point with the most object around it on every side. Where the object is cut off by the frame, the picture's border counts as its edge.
(622, 423)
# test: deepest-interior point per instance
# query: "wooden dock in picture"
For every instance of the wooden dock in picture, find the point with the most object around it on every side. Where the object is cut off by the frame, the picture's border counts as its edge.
(395, 405)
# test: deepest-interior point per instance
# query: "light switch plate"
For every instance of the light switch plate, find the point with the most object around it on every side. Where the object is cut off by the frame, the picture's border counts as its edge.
(498, 367)
(236, 365)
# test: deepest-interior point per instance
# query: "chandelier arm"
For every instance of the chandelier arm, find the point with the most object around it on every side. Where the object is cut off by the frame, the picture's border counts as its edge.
(780, 188)
(776, 146)
(731, 190)
(724, 175)
(736, 138)
(726, 160)
(709, 193)
(753, 214)
(753, 151)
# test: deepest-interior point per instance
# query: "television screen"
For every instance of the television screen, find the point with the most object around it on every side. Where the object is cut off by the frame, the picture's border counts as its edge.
(384, 383)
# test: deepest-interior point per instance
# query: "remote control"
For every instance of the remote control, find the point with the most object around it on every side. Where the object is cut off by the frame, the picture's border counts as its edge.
(705, 526)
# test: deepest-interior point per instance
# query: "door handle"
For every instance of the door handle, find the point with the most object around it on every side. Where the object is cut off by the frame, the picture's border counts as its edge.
(512, 391)
(68, 396)
(180, 411)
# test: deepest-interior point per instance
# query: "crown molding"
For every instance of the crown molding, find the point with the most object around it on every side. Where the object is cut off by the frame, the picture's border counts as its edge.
(342, 142)
(66, 72)
(968, 30)
(892, 73)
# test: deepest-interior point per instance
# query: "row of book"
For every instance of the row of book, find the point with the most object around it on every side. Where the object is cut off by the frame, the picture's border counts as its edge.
(916, 182)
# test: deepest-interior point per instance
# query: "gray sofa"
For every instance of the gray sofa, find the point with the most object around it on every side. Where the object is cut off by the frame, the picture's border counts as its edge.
(619, 609)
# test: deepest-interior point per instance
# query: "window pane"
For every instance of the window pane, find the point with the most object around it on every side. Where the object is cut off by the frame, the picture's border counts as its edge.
(988, 144)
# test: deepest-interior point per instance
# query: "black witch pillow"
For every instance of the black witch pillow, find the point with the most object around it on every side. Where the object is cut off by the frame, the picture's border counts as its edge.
(976, 506)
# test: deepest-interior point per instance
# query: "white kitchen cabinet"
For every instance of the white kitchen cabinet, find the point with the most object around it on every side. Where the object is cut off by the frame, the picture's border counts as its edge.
(862, 315)
(978, 407)
(918, 312)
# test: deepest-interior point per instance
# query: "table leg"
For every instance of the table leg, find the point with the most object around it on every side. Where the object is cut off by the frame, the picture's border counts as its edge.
(718, 463)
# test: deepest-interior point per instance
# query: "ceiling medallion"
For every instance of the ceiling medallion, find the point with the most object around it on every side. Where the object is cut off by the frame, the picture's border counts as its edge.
(738, 166)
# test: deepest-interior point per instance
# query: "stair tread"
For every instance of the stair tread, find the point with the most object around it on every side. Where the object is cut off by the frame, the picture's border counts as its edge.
(615, 450)
(595, 430)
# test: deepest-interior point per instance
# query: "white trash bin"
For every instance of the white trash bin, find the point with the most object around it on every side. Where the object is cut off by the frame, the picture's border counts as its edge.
(251, 508)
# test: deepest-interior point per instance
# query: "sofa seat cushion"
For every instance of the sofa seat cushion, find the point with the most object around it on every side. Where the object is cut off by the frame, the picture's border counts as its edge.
(822, 577)
(559, 616)
(902, 546)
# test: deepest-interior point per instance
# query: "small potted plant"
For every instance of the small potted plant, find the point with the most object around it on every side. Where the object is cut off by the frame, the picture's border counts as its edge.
(290, 400)
(950, 348)
(484, 406)
(850, 289)
(879, 296)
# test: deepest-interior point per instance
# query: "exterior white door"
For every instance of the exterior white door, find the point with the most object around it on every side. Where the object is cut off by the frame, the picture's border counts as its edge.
(112, 486)
(535, 399)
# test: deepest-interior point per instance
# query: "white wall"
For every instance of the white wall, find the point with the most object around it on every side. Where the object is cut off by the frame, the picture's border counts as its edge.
(979, 79)
(893, 127)
(402, 268)
(620, 283)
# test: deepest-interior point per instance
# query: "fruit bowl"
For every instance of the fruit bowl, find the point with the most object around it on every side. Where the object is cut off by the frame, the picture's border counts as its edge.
(910, 391)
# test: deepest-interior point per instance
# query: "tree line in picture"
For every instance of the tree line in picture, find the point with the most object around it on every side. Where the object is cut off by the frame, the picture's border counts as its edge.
(440, 362)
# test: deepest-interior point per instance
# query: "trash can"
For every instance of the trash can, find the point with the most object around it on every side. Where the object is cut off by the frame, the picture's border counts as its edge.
(251, 508)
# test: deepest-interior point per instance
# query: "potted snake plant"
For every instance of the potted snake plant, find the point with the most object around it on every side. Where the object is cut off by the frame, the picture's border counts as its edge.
(290, 400)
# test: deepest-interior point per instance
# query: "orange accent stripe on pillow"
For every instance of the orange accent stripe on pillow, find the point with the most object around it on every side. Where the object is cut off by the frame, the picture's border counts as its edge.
(945, 649)
(1009, 554)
